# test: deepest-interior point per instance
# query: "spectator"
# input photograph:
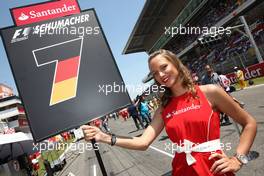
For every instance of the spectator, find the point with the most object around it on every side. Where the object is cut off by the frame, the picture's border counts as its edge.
(144, 110)
(210, 77)
(240, 78)
(224, 81)
(105, 123)
(133, 112)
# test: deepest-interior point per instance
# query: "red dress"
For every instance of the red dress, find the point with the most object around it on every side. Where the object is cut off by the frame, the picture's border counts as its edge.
(194, 120)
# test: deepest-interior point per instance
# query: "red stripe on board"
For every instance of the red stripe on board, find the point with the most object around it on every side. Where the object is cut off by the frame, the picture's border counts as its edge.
(67, 69)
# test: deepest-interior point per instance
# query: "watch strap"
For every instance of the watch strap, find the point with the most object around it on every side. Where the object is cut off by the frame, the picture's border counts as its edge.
(113, 139)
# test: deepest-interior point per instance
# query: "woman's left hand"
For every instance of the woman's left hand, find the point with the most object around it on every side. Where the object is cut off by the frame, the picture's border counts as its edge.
(224, 164)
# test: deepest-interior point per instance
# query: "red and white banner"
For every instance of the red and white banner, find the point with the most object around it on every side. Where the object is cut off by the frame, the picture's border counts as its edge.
(44, 11)
(250, 72)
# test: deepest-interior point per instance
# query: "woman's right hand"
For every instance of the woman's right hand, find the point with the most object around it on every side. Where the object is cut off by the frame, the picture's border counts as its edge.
(93, 132)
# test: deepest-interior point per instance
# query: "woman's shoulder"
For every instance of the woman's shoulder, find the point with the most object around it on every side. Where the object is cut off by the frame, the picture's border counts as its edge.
(211, 92)
(209, 88)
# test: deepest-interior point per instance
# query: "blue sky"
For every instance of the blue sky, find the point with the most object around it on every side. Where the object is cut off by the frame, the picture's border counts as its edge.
(117, 18)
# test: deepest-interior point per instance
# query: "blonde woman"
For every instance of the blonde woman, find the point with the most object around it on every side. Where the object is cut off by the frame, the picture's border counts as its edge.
(190, 115)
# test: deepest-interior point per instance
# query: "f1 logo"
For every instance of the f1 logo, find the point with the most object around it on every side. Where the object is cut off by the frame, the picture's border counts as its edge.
(65, 80)
(24, 33)
(21, 32)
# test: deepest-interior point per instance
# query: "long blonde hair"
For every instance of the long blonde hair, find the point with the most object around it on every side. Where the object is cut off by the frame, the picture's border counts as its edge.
(184, 75)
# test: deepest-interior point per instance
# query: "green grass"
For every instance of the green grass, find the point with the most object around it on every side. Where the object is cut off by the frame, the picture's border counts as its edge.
(257, 81)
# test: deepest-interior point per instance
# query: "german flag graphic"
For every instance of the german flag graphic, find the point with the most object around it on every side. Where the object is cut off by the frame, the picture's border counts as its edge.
(65, 81)
(66, 56)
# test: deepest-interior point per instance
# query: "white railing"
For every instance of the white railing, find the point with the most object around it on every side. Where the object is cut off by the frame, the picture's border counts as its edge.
(9, 102)
(9, 113)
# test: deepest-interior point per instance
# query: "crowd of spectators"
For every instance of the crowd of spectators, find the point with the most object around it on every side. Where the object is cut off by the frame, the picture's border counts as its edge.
(219, 51)
(218, 10)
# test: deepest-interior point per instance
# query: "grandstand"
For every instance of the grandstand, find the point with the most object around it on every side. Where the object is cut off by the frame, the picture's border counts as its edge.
(231, 50)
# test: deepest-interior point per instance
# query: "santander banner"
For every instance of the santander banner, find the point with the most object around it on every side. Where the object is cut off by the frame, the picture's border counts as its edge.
(250, 72)
(44, 11)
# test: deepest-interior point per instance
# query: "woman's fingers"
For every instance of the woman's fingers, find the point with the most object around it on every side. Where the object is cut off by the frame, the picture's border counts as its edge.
(216, 155)
(89, 132)
(89, 136)
(216, 164)
(224, 164)
(225, 170)
(220, 167)
(86, 127)
(85, 132)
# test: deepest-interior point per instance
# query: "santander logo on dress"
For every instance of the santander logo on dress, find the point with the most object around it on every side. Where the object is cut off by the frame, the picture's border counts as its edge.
(182, 110)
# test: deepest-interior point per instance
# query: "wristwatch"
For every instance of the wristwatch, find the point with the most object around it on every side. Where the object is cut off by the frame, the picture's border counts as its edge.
(113, 139)
(242, 158)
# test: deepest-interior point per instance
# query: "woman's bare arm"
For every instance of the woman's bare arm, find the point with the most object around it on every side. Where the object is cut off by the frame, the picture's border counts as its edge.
(224, 103)
(135, 143)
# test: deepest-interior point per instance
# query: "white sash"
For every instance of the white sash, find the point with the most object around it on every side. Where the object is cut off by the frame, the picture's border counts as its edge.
(208, 146)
